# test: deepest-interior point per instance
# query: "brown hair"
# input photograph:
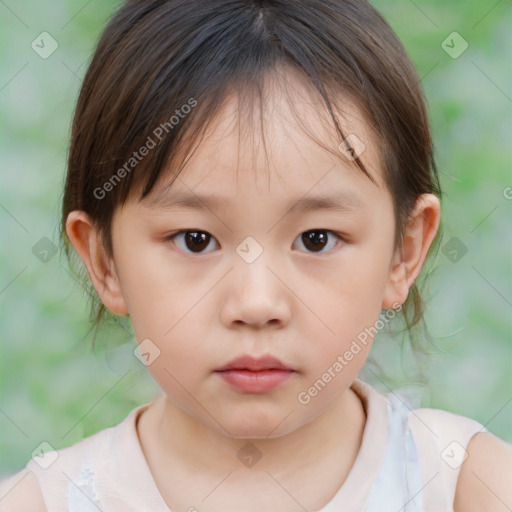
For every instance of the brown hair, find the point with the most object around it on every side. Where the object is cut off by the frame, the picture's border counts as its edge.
(157, 56)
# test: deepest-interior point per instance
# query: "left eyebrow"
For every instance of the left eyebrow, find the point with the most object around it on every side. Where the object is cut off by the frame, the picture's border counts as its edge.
(343, 201)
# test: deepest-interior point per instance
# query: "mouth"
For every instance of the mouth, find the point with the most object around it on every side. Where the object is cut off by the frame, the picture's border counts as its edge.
(255, 375)
(254, 364)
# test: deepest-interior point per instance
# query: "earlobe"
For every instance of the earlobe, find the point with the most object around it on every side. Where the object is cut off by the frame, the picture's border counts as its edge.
(396, 291)
(86, 240)
(408, 261)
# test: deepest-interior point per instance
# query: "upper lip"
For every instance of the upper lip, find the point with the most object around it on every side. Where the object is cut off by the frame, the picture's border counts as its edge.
(254, 364)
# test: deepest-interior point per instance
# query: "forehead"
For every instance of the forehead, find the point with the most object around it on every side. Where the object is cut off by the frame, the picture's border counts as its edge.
(285, 144)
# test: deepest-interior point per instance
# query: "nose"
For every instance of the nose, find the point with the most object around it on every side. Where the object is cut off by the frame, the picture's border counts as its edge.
(255, 295)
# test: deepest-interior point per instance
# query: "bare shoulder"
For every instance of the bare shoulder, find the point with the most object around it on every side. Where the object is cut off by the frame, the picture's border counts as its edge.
(21, 493)
(485, 479)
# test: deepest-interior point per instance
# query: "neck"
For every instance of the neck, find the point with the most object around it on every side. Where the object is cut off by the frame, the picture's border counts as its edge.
(331, 440)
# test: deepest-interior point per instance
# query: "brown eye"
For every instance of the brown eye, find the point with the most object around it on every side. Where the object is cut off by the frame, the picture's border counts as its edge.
(316, 240)
(192, 241)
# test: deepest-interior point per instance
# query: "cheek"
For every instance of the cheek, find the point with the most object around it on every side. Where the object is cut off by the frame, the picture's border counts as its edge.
(158, 293)
(346, 297)
(177, 335)
(348, 291)
(171, 310)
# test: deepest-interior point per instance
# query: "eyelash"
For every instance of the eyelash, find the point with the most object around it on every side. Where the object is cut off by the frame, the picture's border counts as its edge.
(172, 236)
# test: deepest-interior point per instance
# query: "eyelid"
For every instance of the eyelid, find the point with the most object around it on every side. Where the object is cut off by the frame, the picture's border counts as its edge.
(339, 236)
(171, 236)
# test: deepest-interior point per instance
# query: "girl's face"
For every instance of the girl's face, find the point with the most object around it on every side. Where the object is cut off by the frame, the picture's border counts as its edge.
(237, 258)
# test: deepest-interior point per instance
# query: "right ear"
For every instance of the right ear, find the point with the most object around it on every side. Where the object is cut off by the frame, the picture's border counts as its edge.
(86, 240)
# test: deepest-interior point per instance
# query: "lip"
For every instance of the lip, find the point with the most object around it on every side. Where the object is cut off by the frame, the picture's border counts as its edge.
(254, 364)
(255, 375)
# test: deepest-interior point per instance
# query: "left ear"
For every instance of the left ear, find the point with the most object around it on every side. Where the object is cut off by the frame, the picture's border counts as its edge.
(408, 261)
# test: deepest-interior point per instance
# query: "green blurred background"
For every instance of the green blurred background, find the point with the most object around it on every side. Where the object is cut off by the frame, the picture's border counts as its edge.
(56, 388)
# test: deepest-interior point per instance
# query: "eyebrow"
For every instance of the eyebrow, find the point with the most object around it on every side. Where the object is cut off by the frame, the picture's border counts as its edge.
(343, 201)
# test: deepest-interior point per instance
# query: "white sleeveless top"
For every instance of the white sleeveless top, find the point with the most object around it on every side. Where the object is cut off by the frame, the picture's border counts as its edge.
(409, 461)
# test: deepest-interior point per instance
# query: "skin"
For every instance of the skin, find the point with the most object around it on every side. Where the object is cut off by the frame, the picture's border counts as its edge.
(204, 309)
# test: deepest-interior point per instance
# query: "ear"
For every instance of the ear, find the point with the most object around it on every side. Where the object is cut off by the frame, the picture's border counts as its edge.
(408, 261)
(86, 240)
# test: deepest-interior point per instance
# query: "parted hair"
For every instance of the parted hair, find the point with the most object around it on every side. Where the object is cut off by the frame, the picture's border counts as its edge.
(163, 68)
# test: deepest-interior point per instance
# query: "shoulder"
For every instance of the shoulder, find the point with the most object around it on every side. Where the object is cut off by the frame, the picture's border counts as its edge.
(42, 483)
(474, 466)
(45, 483)
(21, 493)
(485, 479)
(448, 434)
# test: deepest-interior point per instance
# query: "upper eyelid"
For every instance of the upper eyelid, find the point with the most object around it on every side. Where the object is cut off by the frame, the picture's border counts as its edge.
(172, 235)
(176, 233)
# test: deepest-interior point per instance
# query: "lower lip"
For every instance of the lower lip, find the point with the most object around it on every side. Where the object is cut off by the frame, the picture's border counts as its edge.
(256, 382)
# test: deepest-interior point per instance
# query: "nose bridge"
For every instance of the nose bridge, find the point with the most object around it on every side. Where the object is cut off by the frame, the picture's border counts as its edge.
(251, 267)
(256, 295)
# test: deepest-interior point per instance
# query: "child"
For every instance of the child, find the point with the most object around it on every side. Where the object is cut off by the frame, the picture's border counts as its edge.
(253, 183)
